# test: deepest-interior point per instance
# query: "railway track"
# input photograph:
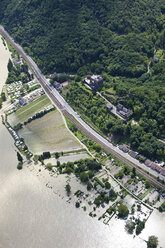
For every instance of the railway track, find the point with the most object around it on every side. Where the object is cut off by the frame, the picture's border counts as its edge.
(108, 149)
(42, 81)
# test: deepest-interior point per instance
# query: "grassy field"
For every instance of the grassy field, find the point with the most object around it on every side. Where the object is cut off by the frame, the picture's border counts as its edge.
(24, 113)
(49, 134)
(111, 91)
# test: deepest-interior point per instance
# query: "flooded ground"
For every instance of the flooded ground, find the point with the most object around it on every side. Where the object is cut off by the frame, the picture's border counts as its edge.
(32, 216)
(4, 58)
(155, 226)
(70, 157)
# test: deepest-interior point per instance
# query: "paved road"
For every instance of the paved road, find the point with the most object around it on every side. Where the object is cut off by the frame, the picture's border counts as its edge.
(64, 107)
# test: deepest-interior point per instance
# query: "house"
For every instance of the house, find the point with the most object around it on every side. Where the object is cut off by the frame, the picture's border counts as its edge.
(66, 83)
(30, 75)
(124, 148)
(123, 112)
(133, 154)
(153, 166)
(109, 106)
(17, 61)
(94, 81)
(52, 75)
(162, 172)
(119, 107)
(141, 158)
(148, 163)
(22, 101)
(156, 59)
(158, 168)
(57, 74)
(57, 85)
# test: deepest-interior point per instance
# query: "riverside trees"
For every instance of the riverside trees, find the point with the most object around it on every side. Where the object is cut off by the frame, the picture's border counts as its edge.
(152, 242)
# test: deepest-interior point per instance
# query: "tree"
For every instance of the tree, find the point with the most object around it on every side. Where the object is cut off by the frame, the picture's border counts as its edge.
(3, 96)
(107, 185)
(147, 184)
(10, 65)
(123, 211)
(77, 204)
(57, 155)
(112, 193)
(49, 166)
(58, 163)
(130, 226)
(152, 242)
(19, 157)
(46, 155)
(28, 156)
(140, 227)
(68, 170)
(35, 158)
(68, 189)
(133, 172)
(90, 173)
(83, 177)
(89, 186)
(97, 147)
(19, 166)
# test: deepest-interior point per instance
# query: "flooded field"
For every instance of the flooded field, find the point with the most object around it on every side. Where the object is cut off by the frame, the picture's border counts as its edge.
(48, 134)
(155, 226)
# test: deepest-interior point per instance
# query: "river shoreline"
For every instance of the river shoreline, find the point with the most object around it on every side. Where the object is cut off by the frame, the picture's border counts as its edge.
(4, 59)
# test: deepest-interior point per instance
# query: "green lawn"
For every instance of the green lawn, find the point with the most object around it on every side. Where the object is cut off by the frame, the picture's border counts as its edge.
(111, 91)
(30, 109)
(31, 104)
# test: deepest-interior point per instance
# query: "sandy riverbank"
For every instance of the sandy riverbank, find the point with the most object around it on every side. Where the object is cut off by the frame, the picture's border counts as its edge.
(4, 58)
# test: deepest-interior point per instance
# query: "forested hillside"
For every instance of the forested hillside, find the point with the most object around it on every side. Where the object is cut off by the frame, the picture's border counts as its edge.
(87, 35)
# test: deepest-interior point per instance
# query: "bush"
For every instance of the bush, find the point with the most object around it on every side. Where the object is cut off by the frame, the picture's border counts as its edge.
(19, 166)
(123, 211)
(46, 155)
(77, 204)
(107, 185)
(89, 186)
(152, 242)
(130, 226)
(49, 166)
(99, 182)
(68, 188)
(140, 227)
(83, 177)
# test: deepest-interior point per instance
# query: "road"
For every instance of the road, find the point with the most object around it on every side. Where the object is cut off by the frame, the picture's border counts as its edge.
(64, 107)
(114, 110)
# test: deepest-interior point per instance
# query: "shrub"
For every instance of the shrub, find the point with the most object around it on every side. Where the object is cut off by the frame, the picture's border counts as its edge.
(19, 166)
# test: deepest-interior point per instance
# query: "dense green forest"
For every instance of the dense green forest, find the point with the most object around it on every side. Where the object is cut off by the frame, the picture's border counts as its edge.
(118, 37)
(124, 40)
